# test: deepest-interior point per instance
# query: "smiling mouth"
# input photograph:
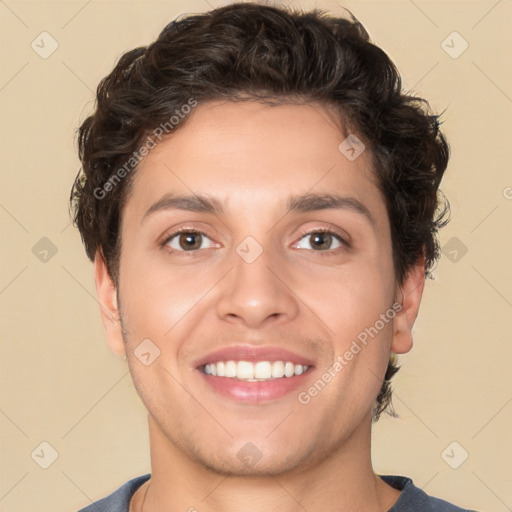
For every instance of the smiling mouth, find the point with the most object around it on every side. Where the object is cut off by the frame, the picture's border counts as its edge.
(260, 371)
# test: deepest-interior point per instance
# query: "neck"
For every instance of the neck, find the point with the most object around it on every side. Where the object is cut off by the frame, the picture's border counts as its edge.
(345, 478)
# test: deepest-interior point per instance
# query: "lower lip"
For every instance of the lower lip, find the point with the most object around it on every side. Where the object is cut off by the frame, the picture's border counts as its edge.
(255, 392)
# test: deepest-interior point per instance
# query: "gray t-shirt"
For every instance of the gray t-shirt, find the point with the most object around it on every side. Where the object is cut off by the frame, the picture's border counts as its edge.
(412, 499)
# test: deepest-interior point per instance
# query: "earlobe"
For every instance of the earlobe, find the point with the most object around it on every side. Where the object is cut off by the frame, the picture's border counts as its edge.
(409, 296)
(107, 298)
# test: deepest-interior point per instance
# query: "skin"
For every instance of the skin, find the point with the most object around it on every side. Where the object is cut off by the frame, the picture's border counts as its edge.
(295, 295)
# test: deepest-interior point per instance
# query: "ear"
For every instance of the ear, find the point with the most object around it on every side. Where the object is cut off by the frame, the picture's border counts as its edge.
(409, 296)
(107, 298)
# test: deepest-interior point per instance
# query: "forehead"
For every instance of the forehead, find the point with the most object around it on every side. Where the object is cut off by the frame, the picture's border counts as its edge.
(245, 152)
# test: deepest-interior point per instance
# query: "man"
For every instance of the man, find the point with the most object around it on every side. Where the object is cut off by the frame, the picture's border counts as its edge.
(260, 202)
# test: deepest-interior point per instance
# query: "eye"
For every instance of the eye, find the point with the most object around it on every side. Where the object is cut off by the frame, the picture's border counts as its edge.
(322, 240)
(186, 241)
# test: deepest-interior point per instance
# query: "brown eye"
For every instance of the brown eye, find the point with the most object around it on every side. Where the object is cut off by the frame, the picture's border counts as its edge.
(186, 241)
(323, 240)
(189, 241)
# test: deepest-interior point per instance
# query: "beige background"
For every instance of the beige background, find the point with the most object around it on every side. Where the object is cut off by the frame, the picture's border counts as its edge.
(60, 384)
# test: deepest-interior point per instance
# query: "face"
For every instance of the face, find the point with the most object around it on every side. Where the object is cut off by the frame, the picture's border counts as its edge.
(264, 278)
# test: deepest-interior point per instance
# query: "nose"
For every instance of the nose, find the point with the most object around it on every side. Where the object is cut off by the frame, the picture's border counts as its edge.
(257, 293)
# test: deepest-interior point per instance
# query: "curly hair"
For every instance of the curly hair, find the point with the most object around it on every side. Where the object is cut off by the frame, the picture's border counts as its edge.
(272, 55)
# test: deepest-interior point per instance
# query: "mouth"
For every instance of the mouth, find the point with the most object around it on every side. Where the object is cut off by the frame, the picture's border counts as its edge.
(254, 375)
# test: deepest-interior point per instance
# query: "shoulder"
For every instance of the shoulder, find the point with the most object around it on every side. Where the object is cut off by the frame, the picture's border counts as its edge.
(118, 501)
(413, 498)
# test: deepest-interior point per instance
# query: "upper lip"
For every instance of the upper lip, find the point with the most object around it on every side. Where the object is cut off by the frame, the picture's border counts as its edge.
(253, 354)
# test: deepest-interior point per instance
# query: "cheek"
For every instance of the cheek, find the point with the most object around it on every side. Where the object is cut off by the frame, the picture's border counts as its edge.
(156, 296)
(349, 300)
(155, 384)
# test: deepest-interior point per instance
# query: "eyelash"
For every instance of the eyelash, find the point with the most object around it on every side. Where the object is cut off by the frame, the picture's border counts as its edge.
(327, 252)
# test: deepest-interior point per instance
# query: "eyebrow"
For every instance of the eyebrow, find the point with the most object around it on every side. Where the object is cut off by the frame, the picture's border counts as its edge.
(299, 203)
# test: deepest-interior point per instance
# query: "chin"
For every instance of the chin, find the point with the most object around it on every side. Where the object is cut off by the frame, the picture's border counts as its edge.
(248, 460)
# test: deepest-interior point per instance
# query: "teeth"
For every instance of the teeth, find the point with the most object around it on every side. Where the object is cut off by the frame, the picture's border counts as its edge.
(230, 367)
(277, 369)
(262, 370)
(252, 372)
(244, 370)
(289, 369)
